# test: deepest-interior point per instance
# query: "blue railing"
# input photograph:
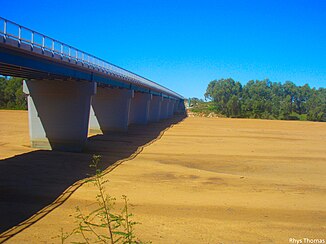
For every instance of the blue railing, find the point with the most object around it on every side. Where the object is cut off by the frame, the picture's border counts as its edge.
(9, 29)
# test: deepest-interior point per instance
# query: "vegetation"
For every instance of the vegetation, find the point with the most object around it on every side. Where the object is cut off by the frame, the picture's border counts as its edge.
(201, 108)
(256, 99)
(103, 225)
(267, 100)
(11, 94)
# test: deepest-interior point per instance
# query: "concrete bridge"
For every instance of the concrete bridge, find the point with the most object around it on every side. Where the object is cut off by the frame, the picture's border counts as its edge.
(70, 91)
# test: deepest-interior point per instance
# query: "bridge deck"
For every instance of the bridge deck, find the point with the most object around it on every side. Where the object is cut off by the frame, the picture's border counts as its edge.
(29, 54)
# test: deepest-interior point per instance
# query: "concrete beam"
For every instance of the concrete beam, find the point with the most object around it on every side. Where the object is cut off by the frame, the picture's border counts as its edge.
(139, 108)
(155, 109)
(58, 113)
(110, 110)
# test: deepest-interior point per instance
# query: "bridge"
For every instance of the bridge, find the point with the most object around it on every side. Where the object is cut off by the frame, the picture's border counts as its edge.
(70, 91)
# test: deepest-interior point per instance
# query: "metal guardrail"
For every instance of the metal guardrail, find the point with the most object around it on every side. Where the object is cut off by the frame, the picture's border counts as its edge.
(9, 29)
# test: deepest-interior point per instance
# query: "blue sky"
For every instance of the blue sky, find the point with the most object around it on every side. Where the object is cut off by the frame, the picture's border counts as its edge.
(183, 45)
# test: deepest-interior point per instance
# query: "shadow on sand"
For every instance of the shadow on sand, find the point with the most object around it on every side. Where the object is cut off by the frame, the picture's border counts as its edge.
(35, 183)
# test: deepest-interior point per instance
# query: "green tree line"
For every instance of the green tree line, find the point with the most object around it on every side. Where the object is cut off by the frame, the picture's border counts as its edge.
(267, 100)
(256, 99)
(11, 93)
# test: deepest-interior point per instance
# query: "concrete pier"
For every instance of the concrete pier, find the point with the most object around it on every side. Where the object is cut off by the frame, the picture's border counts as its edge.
(139, 108)
(58, 113)
(176, 107)
(110, 110)
(170, 108)
(155, 109)
(164, 109)
(179, 107)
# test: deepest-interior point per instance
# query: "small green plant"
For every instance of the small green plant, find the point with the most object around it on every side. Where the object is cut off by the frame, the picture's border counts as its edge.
(103, 225)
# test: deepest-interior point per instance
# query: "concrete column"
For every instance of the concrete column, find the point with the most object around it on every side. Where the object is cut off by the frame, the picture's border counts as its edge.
(58, 113)
(170, 108)
(179, 107)
(110, 110)
(155, 109)
(164, 108)
(176, 106)
(139, 108)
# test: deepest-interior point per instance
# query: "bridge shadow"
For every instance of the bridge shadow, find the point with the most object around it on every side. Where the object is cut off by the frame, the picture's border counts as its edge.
(34, 183)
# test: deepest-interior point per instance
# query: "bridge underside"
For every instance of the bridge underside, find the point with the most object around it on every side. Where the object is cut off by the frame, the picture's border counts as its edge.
(62, 112)
(37, 66)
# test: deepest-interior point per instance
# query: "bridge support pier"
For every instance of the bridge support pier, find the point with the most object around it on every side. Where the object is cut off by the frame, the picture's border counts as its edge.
(110, 110)
(164, 108)
(139, 108)
(58, 113)
(181, 109)
(155, 109)
(170, 108)
(176, 106)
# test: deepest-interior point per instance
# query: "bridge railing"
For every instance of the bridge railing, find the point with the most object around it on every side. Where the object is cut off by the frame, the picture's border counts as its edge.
(9, 29)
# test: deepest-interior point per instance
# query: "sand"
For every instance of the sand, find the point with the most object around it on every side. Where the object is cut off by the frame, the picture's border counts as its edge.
(206, 180)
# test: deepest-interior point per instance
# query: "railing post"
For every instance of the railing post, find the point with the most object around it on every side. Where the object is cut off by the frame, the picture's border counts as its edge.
(61, 50)
(32, 40)
(5, 29)
(43, 43)
(52, 48)
(19, 35)
(19, 32)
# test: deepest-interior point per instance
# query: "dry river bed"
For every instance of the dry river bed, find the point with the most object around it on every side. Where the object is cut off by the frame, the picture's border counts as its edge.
(206, 180)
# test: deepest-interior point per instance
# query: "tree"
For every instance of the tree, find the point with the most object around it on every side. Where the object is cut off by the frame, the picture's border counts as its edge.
(256, 97)
(221, 91)
(268, 100)
(290, 90)
(302, 96)
(233, 106)
(316, 105)
(285, 108)
(11, 93)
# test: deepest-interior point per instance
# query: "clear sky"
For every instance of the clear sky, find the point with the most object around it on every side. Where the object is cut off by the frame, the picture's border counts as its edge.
(185, 44)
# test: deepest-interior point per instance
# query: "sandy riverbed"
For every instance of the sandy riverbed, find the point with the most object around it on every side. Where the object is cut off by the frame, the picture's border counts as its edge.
(206, 180)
